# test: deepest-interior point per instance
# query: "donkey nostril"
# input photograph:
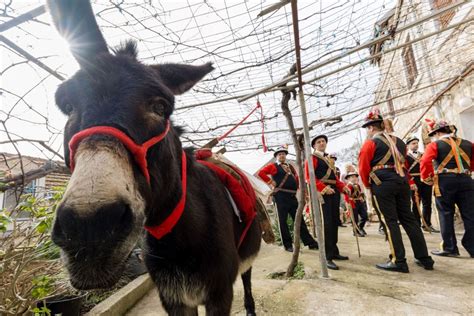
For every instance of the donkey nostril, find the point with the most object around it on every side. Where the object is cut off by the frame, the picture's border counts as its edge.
(109, 223)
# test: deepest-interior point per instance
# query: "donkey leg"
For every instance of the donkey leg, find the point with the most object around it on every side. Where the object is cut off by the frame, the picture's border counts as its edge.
(220, 303)
(181, 310)
(248, 297)
(176, 309)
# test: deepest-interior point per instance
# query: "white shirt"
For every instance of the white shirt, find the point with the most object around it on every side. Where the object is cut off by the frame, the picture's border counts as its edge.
(322, 153)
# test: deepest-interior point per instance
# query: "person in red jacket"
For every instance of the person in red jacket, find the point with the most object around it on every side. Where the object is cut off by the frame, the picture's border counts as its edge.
(356, 199)
(448, 163)
(284, 181)
(382, 168)
(425, 192)
(330, 188)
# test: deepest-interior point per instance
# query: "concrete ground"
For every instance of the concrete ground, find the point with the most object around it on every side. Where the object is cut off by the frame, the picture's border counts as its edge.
(358, 288)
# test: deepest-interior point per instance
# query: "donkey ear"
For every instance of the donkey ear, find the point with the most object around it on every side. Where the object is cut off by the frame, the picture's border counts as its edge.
(180, 78)
(75, 21)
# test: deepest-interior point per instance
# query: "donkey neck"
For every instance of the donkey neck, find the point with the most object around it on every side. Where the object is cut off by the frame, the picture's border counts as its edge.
(166, 185)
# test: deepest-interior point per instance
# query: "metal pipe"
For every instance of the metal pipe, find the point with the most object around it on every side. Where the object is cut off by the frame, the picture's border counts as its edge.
(353, 50)
(30, 57)
(342, 114)
(390, 50)
(314, 194)
(22, 18)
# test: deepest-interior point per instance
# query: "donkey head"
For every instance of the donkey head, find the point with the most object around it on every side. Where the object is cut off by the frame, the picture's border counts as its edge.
(106, 202)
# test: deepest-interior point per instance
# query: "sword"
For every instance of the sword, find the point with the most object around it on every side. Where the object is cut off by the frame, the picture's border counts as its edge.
(355, 229)
(417, 202)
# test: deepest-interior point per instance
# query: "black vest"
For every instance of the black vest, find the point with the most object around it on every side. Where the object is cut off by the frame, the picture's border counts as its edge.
(290, 183)
(322, 169)
(444, 149)
(381, 150)
(416, 167)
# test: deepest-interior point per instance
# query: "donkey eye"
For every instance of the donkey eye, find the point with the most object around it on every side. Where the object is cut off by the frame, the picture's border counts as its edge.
(66, 108)
(158, 106)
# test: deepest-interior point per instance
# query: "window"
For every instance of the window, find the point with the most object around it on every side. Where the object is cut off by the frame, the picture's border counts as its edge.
(410, 64)
(31, 187)
(391, 107)
(447, 16)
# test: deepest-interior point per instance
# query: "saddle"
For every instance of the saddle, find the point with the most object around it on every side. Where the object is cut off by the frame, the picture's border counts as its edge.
(242, 192)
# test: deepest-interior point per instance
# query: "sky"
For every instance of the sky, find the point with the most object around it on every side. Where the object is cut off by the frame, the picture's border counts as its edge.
(249, 53)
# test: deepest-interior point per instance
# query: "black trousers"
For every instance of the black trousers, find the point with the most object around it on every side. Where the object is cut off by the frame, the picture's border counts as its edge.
(426, 193)
(330, 211)
(456, 189)
(360, 213)
(339, 222)
(392, 200)
(287, 204)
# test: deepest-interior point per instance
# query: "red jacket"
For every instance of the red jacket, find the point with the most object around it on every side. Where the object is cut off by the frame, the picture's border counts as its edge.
(365, 157)
(270, 170)
(426, 163)
(319, 184)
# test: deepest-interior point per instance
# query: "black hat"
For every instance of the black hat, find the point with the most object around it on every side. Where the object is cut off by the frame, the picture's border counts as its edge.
(318, 137)
(411, 138)
(434, 126)
(280, 150)
(373, 117)
(351, 173)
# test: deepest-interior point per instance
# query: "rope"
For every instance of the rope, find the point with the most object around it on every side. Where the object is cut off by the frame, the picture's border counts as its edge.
(259, 106)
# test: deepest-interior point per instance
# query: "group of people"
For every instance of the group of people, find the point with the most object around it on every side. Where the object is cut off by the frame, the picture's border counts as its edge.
(397, 178)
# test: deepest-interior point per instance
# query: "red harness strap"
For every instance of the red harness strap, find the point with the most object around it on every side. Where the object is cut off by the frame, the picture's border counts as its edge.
(139, 153)
(167, 225)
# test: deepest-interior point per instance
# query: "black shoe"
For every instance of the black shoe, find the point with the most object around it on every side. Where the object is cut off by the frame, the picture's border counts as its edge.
(358, 234)
(331, 265)
(391, 266)
(342, 225)
(313, 246)
(289, 249)
(443, 253)
(339, 257)
(426, 264)
(363, 231)
(434, 230)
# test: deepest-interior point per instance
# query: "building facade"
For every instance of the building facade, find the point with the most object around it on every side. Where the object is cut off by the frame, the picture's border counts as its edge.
(428, 78)
(42, 177)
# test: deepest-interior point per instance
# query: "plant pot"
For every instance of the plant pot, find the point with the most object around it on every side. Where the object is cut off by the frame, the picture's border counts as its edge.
(64, 305)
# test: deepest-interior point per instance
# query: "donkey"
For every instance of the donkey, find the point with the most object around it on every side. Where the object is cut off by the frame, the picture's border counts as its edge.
(130, 171)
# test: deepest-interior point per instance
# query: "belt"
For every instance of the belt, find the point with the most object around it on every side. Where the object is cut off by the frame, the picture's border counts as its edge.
(378, 167)
(455, 170)
(415, 174)
(446, 171)
(374, 177)
(328, 181)
(283, 190)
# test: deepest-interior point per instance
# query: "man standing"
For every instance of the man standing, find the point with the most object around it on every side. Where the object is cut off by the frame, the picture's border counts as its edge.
(381, 168)
(424, 191)
(284, 182)
(330, 188)
(448, 163)
(357, 201)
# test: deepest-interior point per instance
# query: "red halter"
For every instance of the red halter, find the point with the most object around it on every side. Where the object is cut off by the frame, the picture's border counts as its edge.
(139, 153)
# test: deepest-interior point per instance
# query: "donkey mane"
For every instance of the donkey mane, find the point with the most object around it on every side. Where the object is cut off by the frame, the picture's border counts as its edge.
(126, 48)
